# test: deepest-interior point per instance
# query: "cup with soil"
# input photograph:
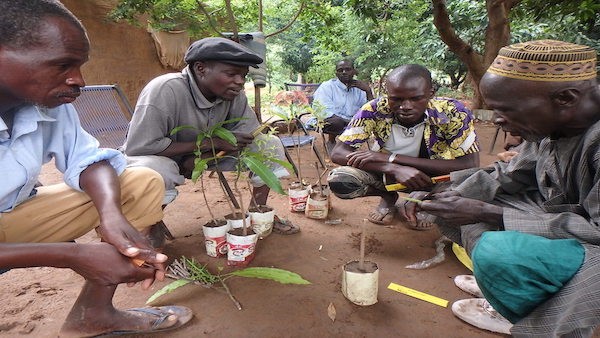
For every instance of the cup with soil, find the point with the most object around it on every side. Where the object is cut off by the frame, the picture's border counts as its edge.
(360, 285)
(318, 202)
(235, 220)
(241, 246)
(261, 218)
(215, 233)
(298, 195)
(360, 279)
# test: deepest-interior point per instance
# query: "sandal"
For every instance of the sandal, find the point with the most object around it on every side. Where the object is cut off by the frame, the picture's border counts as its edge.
(382, 216)
(419, 225)
(161, 313)
(284, 226)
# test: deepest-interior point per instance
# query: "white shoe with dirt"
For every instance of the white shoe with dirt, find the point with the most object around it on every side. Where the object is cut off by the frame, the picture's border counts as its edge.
(479, 313)
(468, 284)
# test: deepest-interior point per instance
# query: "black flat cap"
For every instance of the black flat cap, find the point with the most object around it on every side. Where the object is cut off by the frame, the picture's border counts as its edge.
(222, 50)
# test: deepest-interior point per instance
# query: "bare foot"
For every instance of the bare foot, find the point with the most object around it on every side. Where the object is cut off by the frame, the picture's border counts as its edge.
(141, 320)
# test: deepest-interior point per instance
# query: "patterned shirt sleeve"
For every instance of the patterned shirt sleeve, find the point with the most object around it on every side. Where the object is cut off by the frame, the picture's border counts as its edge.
(359, 129)
(452, 134)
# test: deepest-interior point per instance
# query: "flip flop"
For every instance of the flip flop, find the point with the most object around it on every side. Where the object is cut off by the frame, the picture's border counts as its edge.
(385, 216)
(284, 226)
(418, 225)
(183, 314)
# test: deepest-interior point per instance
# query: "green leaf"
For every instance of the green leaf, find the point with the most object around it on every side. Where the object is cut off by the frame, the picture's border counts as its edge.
(225, 135)
(177, 129)
(167, 289)
(264, 172)
(274, 274)
(200, 165)
(264, 158)
(280, 112)
(200, 138)
(219, 124)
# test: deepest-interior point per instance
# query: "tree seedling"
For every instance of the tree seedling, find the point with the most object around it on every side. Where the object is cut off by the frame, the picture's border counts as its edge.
(189, 271)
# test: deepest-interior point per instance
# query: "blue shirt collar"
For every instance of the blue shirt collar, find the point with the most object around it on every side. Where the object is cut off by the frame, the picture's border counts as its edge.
(339, 84)
(25, 121)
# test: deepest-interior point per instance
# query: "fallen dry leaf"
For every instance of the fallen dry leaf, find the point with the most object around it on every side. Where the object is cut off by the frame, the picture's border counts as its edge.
(331, 312)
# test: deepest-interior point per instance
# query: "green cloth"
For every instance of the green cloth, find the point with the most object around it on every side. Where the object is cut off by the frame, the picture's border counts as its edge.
(517, 272)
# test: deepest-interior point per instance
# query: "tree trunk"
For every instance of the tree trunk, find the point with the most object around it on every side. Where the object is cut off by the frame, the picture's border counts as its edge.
(497, 33)
(497, 36)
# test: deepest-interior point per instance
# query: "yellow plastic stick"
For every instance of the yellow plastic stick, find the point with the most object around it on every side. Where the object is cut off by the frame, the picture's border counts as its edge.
(418, 294)
(462, 256)
(400, 186)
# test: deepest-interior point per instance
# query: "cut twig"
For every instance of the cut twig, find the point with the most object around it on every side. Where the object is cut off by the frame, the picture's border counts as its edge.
(319, 180)
(361, 261)
(235, 301)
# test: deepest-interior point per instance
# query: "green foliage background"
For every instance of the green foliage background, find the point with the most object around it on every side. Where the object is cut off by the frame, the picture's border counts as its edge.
(378, 34)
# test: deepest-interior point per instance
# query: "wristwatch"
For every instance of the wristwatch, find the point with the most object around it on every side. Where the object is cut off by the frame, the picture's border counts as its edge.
(392, 158)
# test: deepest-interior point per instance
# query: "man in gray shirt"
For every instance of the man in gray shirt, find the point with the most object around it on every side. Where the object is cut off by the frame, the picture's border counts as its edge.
(209, 90)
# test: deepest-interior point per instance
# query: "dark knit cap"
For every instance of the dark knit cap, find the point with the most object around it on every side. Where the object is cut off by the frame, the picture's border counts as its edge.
(221, 50)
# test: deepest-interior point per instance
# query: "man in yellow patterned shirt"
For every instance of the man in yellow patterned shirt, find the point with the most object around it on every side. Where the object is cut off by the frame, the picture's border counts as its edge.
(410, 137)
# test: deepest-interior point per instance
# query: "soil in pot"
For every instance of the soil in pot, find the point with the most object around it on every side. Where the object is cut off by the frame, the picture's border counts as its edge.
(235, 220)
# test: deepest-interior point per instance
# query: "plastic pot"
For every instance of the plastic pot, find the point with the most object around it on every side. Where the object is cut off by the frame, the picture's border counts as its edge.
(262, 220)
(360, 287)
(318, 202)
(215, 238)
(298, 195)
(240, 248)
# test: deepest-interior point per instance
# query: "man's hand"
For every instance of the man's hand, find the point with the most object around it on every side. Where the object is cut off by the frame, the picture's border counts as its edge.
(407, 210)
(362, 85)
(358, 159)
(131, 243)
(457, 210)
(243, 140)
(102, 264)
(506, 156)
(412, 178)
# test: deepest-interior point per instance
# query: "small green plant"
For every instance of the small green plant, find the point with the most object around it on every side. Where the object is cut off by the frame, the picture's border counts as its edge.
(201, 164)
(317, 110)
(288, 105)
(254, 161)
(189, 271)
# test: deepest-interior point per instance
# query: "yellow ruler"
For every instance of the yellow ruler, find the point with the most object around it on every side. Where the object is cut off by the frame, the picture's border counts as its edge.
(418, 294)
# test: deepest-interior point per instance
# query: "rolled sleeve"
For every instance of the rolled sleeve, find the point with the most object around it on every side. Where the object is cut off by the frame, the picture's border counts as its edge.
(77, 149)
(114, 158)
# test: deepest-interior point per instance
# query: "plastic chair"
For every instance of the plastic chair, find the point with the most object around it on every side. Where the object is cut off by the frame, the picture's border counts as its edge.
(104, 113)
(302, 140)
(495, 138)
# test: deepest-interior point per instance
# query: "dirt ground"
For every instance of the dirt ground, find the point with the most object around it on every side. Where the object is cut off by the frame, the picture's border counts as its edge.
(36, 300)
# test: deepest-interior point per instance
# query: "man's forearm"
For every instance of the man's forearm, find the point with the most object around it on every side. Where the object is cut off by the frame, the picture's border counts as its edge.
(434, 167)
(101, 183)
(178, 149)
(27, 255)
